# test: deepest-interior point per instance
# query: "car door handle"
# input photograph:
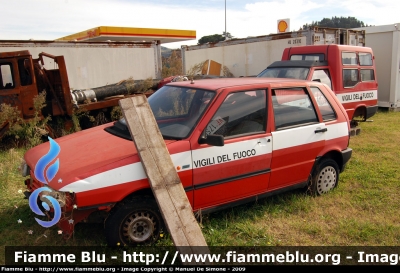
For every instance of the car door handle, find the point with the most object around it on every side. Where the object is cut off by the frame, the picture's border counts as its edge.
(320, 130)
(262, 143)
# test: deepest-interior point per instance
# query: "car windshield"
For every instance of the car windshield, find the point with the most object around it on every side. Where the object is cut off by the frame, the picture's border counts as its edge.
(176, 110)
(285, 72)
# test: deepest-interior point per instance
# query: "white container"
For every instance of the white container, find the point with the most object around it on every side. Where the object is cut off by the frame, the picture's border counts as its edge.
(94, 64)
(385, 42)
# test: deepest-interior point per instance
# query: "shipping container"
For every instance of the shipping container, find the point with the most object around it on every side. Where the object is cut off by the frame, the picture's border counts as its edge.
(249, 56)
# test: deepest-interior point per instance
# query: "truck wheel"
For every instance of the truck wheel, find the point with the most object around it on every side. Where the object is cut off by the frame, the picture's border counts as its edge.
(324, 178)
(137, 222)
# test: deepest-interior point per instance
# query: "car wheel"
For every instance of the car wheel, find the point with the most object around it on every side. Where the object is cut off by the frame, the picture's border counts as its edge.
(325, 177)
(137, 222)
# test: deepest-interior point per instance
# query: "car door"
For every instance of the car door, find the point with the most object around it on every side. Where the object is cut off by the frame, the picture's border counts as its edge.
(298, 138)
(241, 167)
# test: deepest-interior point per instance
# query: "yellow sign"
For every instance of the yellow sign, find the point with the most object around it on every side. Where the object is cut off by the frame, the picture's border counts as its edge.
(283, 25)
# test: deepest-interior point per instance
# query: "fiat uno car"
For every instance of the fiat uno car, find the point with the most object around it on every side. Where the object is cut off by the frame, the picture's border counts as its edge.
(231, 140)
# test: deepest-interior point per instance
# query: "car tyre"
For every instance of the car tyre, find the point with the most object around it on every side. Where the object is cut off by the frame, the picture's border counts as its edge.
(324, 178)
(135, 222)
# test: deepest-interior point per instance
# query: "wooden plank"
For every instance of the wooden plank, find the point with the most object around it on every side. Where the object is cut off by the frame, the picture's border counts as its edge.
(163, 178)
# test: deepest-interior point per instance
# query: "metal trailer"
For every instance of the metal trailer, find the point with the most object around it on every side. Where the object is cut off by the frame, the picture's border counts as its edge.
(94, 64)
(385, 42)
(249, 56)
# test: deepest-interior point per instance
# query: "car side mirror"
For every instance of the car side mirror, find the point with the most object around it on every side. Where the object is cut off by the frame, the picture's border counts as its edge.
(213, 140)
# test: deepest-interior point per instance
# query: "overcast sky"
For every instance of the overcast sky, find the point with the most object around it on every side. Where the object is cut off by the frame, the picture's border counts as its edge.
(52, 19)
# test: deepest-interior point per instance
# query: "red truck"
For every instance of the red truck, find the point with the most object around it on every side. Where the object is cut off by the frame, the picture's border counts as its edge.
(232, 140)
(348, 70)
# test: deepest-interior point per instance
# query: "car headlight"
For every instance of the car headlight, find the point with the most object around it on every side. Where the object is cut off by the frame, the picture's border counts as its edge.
(60, 197)
(25, 170)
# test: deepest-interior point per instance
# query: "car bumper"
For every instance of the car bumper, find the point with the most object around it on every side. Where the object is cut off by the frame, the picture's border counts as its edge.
(371, 110)
(346, 155)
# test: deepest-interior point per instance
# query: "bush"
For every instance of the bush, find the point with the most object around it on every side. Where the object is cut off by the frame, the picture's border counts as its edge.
(26, 133)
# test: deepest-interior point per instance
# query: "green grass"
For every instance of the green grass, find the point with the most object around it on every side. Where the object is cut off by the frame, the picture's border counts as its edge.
(361, 211)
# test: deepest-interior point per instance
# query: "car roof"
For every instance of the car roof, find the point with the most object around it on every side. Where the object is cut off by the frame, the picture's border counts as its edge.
(254, 82)
(298, 63)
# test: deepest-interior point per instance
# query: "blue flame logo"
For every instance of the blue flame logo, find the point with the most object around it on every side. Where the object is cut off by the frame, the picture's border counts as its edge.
(45, 175)
(45, 160)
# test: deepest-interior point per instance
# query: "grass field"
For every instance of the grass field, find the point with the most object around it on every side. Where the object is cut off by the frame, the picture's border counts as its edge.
(361, 211)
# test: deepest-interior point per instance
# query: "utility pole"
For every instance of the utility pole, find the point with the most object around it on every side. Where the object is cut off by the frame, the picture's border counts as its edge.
(225, 20)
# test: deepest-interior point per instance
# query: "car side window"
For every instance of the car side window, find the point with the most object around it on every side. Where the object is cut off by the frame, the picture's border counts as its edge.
(7, 81)
(322, 75)
(350, 77)
(24, 72)
(349, 58)
(367, 75)
(311, 57)
(240, 113)
(292, 107)
(324, 106)
(365, 58)
(360, 72)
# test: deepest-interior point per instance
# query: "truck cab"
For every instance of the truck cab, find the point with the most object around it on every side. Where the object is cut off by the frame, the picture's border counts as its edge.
(17, 81)
(348, 70)
(24, 78)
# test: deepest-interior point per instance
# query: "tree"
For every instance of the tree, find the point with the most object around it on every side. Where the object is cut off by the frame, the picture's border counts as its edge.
(227, 35)
(215, 38)
(337, 22)
(172, 65)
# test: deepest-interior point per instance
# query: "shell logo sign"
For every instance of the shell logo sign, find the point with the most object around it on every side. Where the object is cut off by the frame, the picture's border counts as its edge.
(283, 25)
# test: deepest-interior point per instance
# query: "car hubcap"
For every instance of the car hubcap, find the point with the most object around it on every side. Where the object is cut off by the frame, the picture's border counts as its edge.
(326, 180)
(139, 227)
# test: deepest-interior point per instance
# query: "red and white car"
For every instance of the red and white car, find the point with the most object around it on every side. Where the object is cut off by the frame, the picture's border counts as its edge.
(232, 140)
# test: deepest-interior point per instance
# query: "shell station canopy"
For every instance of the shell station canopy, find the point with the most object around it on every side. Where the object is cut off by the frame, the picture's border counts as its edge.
(124, 34)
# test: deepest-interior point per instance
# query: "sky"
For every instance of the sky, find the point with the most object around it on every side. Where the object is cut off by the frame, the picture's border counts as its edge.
(52, 19)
